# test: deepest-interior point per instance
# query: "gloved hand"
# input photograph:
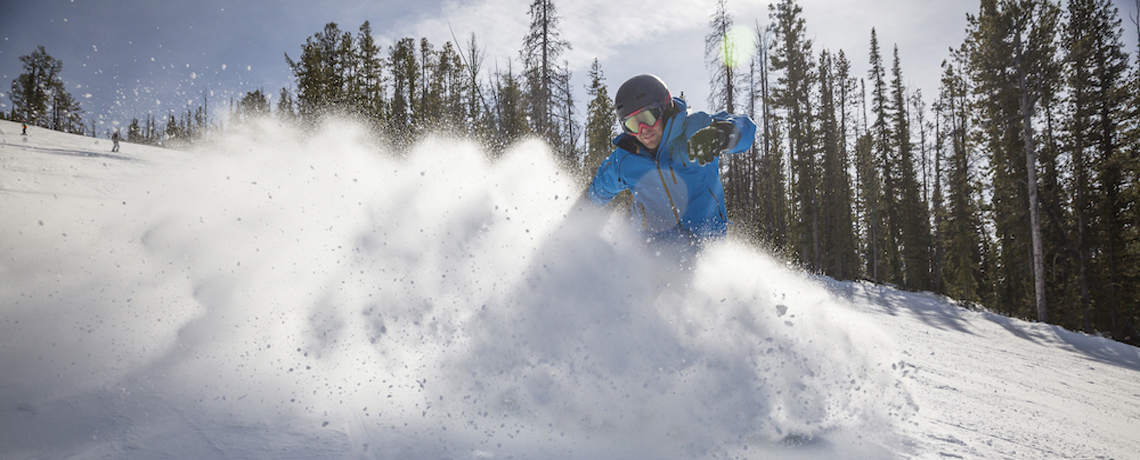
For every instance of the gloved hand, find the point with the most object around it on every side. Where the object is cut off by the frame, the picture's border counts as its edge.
(711, 141)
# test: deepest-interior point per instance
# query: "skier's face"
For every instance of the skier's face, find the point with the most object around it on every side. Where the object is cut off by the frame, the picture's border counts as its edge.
(646, 125)
(650, 137)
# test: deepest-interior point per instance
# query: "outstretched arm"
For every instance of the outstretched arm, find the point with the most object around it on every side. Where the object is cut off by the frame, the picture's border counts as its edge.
(744, 134)
(607, 182)
(724, 134)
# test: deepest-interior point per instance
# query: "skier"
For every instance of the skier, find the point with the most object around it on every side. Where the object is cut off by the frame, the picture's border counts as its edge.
(25, 133)
(115, 139)
(669, 158)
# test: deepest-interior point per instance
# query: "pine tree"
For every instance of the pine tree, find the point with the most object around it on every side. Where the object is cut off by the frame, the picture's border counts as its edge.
(793, 57)
(1011, 49)
(322, 72)
(368, 86)
(838, 234)
(510, 110)
(454, 88)
(476, 111)
(430, 106)
(961, 227)
(937, 199)
(404, 107)
(542, 47)
(771, 204)
(566, 115)
(720, 50)
(67, 115)
(724, 91)
(600, 119)
(911, 216)
(134, 132)
(875, 175)
(39, 97)
(252, 105)
(830, 165)
(286, 105)
(1097, 103)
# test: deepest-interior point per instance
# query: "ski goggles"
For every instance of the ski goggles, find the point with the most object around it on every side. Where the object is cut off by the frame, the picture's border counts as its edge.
(648, 117)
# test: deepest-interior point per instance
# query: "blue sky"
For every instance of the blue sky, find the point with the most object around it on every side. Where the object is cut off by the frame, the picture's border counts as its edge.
(125, 58)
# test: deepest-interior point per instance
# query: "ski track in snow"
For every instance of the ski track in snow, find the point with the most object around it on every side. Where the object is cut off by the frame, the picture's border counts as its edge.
(272, 295)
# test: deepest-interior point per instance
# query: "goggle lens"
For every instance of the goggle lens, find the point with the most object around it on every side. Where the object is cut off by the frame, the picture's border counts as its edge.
(648, 117)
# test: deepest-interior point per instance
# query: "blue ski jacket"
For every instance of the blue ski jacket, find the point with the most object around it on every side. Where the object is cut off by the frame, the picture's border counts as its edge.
(672, 196)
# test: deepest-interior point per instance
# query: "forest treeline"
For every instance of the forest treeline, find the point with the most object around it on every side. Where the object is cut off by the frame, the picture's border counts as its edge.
(1013, 187)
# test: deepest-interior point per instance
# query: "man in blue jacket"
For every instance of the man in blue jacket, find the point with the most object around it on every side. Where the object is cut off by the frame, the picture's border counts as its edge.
(669, 158)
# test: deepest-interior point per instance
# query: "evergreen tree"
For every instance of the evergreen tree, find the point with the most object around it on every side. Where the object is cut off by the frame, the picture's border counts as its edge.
(1011, 51)
(67, 115)
(837, 232)
(793, 57)
(369, 83)
(724, 91)
(961, 225)
(1061, 281)
(1096, 79)
(719, 52)
(600, 120)
(542, 47)
(937, 199)
(322, 72)
(830, 163)
(39, 97)
(173, 131)
(134, 132)
(912, 216)
(405, 101)
(875, 177)
(567, 119)
(285, 105)
(453, 86)
(771, 197)
(510, 111)
(253, 105)
(476, 112)
(773, 190)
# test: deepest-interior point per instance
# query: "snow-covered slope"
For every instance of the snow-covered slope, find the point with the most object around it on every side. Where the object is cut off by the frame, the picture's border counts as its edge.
(276, 296)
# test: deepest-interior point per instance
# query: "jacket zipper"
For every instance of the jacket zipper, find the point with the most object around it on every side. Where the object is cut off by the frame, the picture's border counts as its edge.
(665, 184)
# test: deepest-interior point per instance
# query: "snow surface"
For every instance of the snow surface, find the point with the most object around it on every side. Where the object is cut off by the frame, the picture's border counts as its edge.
(278, 296)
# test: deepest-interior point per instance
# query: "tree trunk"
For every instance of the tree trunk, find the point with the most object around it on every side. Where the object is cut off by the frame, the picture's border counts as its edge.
(1031, 172)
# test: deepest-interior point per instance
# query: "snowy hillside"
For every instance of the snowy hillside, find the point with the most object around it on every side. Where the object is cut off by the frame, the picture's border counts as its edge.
(272, 296)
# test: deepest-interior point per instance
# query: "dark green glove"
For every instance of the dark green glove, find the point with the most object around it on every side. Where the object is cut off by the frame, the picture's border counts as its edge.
(711, 141)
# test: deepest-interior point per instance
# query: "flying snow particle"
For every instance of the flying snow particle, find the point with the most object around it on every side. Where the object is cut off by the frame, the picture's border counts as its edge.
(223, 67)
(193, 75)
(95, 48)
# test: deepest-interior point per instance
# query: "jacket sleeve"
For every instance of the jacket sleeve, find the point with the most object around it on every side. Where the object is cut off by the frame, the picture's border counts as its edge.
(745, 130)
(607, 182)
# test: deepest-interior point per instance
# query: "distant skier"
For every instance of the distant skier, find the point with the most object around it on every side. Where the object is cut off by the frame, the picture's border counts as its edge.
(669, 158)
(115, 138)
(25, 133)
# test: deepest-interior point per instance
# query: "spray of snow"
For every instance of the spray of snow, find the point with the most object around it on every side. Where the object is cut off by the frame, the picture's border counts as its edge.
(338, 300)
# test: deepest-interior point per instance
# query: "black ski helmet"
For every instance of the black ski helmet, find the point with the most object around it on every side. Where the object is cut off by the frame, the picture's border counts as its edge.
(639, 92)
